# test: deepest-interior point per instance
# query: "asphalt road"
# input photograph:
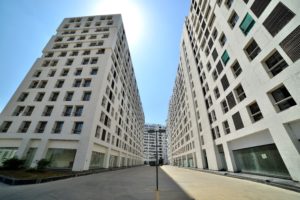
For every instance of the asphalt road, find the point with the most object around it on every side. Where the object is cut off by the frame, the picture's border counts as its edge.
(136, 183)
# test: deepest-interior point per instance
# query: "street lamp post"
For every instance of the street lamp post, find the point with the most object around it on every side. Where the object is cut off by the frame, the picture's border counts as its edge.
(156, 145)
(156, 162)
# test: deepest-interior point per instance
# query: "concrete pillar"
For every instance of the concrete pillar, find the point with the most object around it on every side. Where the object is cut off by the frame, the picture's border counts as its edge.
(287, 149)
(40, 152)
(106, 159)
(23, 148)
(83, 156)
(229, 157)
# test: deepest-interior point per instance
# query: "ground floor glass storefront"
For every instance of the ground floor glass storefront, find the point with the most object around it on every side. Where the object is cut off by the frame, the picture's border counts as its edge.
(263, 160)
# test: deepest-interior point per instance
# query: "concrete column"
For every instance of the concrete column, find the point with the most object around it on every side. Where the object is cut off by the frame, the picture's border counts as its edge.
(194, 160)
(287, 149)
(119, 160)
(83, 156)
(229, 157)
(40, 152)
(23, 148)
(106, 159)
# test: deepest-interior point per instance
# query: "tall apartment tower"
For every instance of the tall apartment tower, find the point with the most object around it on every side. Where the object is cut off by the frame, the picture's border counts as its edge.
(150, 143)
(235, 103)
(79, 105)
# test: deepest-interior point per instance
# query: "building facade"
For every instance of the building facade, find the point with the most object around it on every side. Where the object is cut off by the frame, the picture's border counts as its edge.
(79, 105)
(150, 143)
(235, 102)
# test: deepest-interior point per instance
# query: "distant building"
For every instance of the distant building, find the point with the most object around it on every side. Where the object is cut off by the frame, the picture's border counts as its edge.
(235, 103)
(79, 105)
(150, 143)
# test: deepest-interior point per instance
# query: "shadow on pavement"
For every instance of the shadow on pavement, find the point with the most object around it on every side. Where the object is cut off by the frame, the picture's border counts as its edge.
(169, 189)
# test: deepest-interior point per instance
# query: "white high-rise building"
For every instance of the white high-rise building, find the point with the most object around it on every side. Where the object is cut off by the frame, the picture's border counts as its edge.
(79, 105)
(150, 143)
(235, 103)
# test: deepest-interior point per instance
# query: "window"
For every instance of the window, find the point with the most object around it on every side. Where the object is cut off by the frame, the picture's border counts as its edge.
(282, 98)
(259, 6)
(53, 96)
(87, 83)
(23, 96)
(100, 51)
(215, 75)
(236, 69)
(97, 133)
(216, 92)
(224, 82)
(24, 127)
(58, 125)
(230, 99)
(226, 127)
(18, 110)
(69, 96)
(59, 83)
(49, 54)
(224, 106)
(241, 95)
(37, 73)
(42, 84)
(87, 52)
(291, 44)
(225, 57)
(28, 111)
(63, 54)
(278, 18)
(222, 39)
(78, 72)
(219, 67)
(233, 19)
(255, 112)
(74, 53)
(252, 49)
(47, 110)
(247, 24)
(77, 83)
(103, 135)
(64, 72)
(85, 61)
(51, 72)
(69, 62)
(94, 71)
(77, 127)
(77, 45)
(5, 126)
(208, 65)
(71, 38)
(33, 84)
(228, 3)
(40, 128)
(86, 95)
(214, 33)
(78, 111)
(67, 111)
(94, 60)
(215, 54)
(39, 96)
(237, 121)
(275, 64)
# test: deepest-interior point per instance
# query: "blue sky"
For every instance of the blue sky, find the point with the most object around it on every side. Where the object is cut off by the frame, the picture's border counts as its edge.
(153, 29)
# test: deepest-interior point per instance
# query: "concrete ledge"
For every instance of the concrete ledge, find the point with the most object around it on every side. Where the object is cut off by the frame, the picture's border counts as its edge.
(15, 181)
(277, 182)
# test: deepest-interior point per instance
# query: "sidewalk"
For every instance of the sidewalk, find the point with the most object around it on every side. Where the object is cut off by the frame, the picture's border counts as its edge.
(210, 186)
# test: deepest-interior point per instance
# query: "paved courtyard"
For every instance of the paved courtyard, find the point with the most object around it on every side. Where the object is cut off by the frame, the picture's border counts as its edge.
(136, 183)
(206, 186)
(139, 184)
